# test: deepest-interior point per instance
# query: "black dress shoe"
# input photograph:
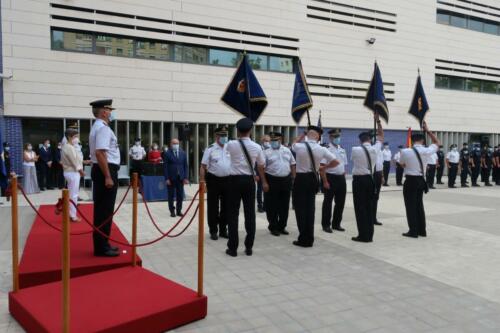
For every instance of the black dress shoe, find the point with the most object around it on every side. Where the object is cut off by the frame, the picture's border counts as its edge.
(327, 230)
(297, 243)
(451, 186)
(488, 184)
(231, 253)
(180, 214)
(432, 187)
(407, 234)
(214, 236)
(260, 210)
(284, 232)
(275, 232)
(377, 223)
(107, 253)
(440, 183)
(361, 240)
(113, 248)
(50, 188)
(464, 185)
(422, 234)
(339, 228)
(223, 234)
(248, 252)
(476, 185)
(172, 214)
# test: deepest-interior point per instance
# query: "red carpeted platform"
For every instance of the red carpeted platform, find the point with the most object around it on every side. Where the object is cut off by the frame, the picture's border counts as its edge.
(41, 261)
(121, 300)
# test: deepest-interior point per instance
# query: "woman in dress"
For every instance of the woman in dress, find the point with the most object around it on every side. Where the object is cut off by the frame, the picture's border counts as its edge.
(30, 181)
(72, 163)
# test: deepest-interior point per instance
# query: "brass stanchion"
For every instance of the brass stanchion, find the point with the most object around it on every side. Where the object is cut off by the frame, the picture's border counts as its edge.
(201, 236)
(65, 261)
(15, 235)
(134, 217)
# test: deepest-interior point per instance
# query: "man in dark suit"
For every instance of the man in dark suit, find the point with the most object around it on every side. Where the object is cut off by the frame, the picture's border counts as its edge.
(45, 160)
(175, 170)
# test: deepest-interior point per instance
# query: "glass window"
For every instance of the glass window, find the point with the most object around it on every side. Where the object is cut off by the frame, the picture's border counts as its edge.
(442, 81)
(473, 85)
(490, 87)
(475, 24)
(223, 58)
(258, 61)
(443, 18)
(153, 50)
(458, 21)
(456, 83)
(191, 54)
(65, 40)
(108, 45)
(281, 64)
(491, 28)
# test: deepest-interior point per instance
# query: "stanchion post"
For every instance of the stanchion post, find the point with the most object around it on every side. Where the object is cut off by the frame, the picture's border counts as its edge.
(15, 235)
(134, 217)
(65, 261)
(201, 236)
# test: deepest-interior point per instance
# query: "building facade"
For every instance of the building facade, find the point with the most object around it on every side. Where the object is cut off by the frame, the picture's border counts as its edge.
(166, 64)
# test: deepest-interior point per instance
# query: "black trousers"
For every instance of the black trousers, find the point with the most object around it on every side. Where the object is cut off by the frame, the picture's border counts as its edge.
(363, 193)
(45, 176)
(377, 176)
(431, 173)
(387, 169)
(304, 200)
(217, 188)
(337, 192)
(439, 173)
(136, 166)
(497, 175)
(260, 200)
(475, 173)
(413, 193)
(104, 204)
(399, 174)
(452, 174)
(464, 174)
(485, 175)
(176, 187)
(241, 188)
(277, 201)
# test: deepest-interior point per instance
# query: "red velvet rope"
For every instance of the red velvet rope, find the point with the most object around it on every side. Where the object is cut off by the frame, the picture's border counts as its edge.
(110, 218)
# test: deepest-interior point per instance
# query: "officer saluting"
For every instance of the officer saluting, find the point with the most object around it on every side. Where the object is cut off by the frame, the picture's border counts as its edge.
(105, 157)
(280, 170)
(337, 187)
(137, 155)
(244, 154)
(215, 169)
(309, 154)
(414, 160)
(364, 158)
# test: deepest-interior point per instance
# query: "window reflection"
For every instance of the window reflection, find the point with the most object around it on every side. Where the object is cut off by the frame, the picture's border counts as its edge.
(223, 57)
(191, 54)
(258, 61)
(108, 45)
(64, 40)
(281, 64)
(153, 50)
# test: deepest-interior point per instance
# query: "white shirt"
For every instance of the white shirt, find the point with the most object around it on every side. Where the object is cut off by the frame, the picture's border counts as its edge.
(397, 157)
(320, 155)
(379, 165)
(279, 161)
(410, 159)
(102, 138)
(31, 155)
(341, 155)
(217, 160)
(433, 159)
(239, 164)
(358, 156)
(137, 152)
(387, 155)
(453, 156)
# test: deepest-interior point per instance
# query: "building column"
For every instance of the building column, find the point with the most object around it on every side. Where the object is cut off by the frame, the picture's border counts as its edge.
(196, 152)
(161, 136)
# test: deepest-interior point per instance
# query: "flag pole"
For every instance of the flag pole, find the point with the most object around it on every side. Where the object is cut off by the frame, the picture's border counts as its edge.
(374, 128)
(308, 118)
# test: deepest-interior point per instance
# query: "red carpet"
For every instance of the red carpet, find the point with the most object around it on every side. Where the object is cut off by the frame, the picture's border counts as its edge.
(121, 300)
(41, 260)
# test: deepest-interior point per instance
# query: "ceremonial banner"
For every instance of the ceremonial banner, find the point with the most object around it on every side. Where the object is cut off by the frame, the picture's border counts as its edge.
(419, 105)
(301, 100)
(244, 93)
(375, 98)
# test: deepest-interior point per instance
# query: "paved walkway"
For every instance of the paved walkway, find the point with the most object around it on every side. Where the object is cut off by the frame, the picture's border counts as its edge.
(447, 282)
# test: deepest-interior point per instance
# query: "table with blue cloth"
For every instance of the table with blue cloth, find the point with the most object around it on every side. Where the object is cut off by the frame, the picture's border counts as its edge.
(154, 188)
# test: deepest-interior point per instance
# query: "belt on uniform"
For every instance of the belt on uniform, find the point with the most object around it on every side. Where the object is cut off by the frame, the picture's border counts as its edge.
(110, 165)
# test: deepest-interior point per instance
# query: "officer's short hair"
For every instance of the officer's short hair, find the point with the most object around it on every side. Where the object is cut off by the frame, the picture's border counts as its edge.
(364, 136)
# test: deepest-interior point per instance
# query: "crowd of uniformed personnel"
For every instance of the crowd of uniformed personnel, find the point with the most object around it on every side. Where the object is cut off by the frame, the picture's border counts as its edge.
(231, 169)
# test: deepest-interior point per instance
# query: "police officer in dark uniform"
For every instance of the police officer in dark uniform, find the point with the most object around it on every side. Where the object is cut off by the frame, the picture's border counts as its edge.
(105, 157)
(476, 164)
(465, 159)
(4, 179)
(486, 164)
(496, 165)
(440, 166)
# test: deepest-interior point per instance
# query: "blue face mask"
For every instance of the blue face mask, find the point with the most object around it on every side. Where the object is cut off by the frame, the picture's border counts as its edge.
(175, 147)
(112, 116)
(223, 140)
(336, 141)
(275, 144)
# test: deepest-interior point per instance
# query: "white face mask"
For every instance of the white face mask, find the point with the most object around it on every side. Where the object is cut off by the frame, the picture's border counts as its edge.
(165, 148)
(75, 141)
(266, 144)
(175, 147)
(138, 143)
(47, 145)
(454, 149)
(29, 147)
(155, 147)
